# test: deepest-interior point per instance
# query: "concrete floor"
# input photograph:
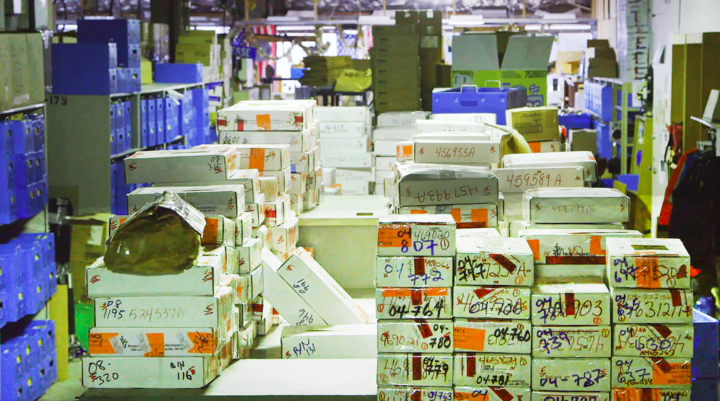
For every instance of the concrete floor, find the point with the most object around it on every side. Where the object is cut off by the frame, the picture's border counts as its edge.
(68, 389)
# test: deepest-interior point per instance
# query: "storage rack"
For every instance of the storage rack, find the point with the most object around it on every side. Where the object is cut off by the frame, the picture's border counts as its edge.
(79, 147)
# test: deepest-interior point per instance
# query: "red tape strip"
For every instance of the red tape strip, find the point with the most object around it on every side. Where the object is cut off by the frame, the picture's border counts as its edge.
(416, 296)
(676, 297)
(502, 393)
(682, 272)
(419, 266)
(503, 261)
(417, 367)
(471, 365)
(661, 363)
(575, 260)
(481, 292)
(424, 328)
(416, 394)
(663, 330)
(569, 304)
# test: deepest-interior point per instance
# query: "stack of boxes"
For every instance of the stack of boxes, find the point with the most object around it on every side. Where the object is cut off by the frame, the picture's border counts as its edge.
(396, 68)
(539, 127)
(394, 131)
(345, 135)
(200, 47)
(121, 137)
(414, 300)
(28, 365)
(21, 70)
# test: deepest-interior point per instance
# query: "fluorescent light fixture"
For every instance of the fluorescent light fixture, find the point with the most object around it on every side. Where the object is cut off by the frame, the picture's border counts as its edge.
(464, 21)
(533, 27)
(570, 27)
(376, 20)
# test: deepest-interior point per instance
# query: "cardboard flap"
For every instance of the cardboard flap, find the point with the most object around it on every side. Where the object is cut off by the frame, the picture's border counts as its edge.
(528, 53)
(475, 53)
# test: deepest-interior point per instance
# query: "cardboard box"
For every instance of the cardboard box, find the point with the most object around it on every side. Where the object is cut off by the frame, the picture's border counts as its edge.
(629, 371)
(249, 179)
(648, 263)
(569, 395)
(228, 254)
(534, 123)
(470, 152)
(252, 285)
(266, 115)
(187, 165)
(519, 180)
(546, 146)
(394, 133)
(423, 184)
(479, 233)
(333, 342)
(404, 393)
(269, 188)
(218, 231)
(385, 147)
(348, 160)
(493, 336)
(331, 146)
(413, 303)
(576, 205)
(144, 342)
(431, 336)
(166, 372)
(327, 130)
(243, 228)
(342, 114)
(653, 340)
(283, 177)
(583, 140)
(415, 369)
(250, 257)
(586, 160)
(485, 118)
(277, 212)
(492, 302)
(298, 183)
(282, 296)
(262, 157)
(224, 200)
(448, 125)
(511, 370)
(416, 235)
(491, 393)
(385, 163)
(572, 247)
(284, 237)
(299, 141)
(572, 342)
(400, 119)
(659, 306)
(297, 203)
(465, 216)
(404, 151)
(151, 312)
(256, 210)
(320, 290)
(561, 374)
(570, 304)
(493, 261)
(418, 271)
(199, 280)
(675, 394)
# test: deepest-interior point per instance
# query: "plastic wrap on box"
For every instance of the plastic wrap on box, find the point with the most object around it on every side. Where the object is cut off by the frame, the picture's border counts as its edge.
(570, 304)
(414, 303)
(465, 216)
(661, 306)
(653, 340)
(403, 393)
(416, 235)
(417, 271)
(493, 336)
(571, 374)
(427, 336)
(456, 151)
(571, 247)
(648, 263)
(228, 201)
(141, 342)
(509, 370)
(415, 369)
(570, 396)
(652, 394)
(494, 261)
(572, 342)
(575, 205)
(519, 180)
(491, 393)
(493, 302)
(586, 160)
(433, 184)
(652, 372)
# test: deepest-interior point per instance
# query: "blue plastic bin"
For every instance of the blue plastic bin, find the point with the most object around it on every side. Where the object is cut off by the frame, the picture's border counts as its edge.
(471, 99)
(178, 73)
(575, 121)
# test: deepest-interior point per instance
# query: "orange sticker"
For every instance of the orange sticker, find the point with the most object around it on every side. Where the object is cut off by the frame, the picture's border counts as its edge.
(456, 215)
(418, 211)
(394, 235)
(99, 343)
(534, 146)
(263, 122)
(647, 272)
(210, 233)
(257, 159)
(203, 343)
(471, 395)
(469, 339)
(479, 215)
(406, 292)
(596, 245)
(673, 374)
(404, 151)
(636, 394)
(156, 341)
(535, 246)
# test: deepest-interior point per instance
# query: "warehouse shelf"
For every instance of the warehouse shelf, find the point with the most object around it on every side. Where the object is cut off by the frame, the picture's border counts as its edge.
(23, 109)
(155, 87)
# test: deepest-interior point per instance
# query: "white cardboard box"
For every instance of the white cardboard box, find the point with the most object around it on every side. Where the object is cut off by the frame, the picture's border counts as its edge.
(185, 165)
(284, 237)
(661, 306)
(385, 163)
(386, 147)
(329, 176)
(572, 247)
(630, 371)
(344, 114)
(586, 160)
(330, 146)
(319, 289)
(166, 372)
(569, 395)
(249, 179)
(415, 369)
(546, 146)
(417, 271)
(269, 188)
(570, 304)
(250, 255)
(354, 187)
(494, 261)
(478, 233)
(348, 160)
(561, 374)
(327, 130)
(343, 175)
(674, 394)
(571, 342)
(298, 183)
(400, 118)
(648, 263)
(493, 336)
(252, 285)
(262, 157)
(224, 200)
(249, 115)
(296, 203)
(291, 306)
(152, 312)
(229, 255)
(492, 302)
(413, 303)
(653, 340)
(436, 126)
(299, 141)
(142, 342)
(218, 231)
(198, 280)
(283, 177)
(277, 212)
(576, 205)
(405, 393)
(333, 342)
(491, 393)
(466, 216)
(485, 118)
(404, 151)
(511, 370)
(416, 235)
(456, 151)
(519, 180)
(431, 184)
(302, 162)
(429, 336)
(263, 234)
(256, 210)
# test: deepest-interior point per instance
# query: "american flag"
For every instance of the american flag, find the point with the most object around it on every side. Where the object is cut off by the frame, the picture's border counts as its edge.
(270, 48)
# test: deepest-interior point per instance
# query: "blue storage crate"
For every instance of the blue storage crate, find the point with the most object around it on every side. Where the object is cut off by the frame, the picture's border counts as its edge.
(113, 188)
(124, 33)
(22, 136)
(46, 242)
(160, 119)
(8, 201)
(12, 362)
(604, 144)
(471, 99)
(114, 141)
(7, 145)
(50, 276)
(143, 123)
(127, 105)
(705, 347)
(50, 365)
(20, 269)
(84, 69)
(575, 121)
(178, 73)
(38, 127)
(704, 389)
(16, 304)
(36, 293)
(3, 305)
(152, 124)
(135, 80)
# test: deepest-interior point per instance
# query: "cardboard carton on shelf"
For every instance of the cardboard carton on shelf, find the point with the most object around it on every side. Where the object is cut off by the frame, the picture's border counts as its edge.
(466, 151)
(249, 255)
(143, 342)
(163, 372)
(570, 303)
(632, 305)
(416, 235)
(491, 393)
(559, 395)
(575, 342)
(428, 184)
(414, 271)
(576, 205)
(299, 141)
(486, 369)
(225, 200)
(228, 254)
(654, 394)
(415, 369)
(493, 336)
(465, 216)
(572, 247)
(445, 126)
(586, 160)
(559, 374)
(415, 393)
(401, 119)
(477, 118)
(333, 342)
(431, 336)
(342, 114)
(269, 188)
(413, 303)
(491, 302)
(653, 340)
(178, 166)
(493, 261)
(648, 263)
(638, 372)
(534, 123)
(249, 115)
(519, 180)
